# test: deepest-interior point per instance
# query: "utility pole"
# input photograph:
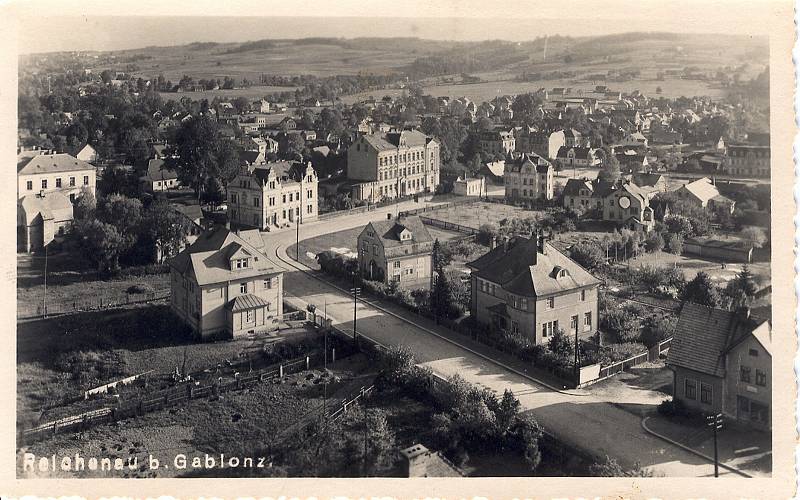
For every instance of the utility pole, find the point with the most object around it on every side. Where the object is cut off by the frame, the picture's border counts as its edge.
(44, 298)
(356, 292)
(364, 400)
(577, 349)
(715, 422)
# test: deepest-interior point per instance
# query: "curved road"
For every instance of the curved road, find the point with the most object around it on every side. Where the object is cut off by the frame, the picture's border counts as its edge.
(576, 417)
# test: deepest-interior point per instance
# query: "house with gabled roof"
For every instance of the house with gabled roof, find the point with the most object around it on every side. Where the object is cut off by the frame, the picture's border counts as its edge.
(268, 195)
(703, 193)
(528, 177)
(224, 285)
(47, 172)
(86, 153)
(527, 287)
(399, 250)
(159, 177)
(42, 218)
(722, 363)
(577, 193)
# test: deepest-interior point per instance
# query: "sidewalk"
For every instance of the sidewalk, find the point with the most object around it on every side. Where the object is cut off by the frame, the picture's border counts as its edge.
(741, 448)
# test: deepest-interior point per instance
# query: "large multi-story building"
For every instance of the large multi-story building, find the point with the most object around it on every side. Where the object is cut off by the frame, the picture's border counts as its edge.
(393, 164)
(527, 287)
(396, 250)
(748, 160)
(223, 285)
(527, 178)
(53, 172)
(267, 195)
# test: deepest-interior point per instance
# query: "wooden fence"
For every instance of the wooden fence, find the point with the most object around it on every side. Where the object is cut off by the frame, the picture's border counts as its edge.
(164, 398)
(37, 311)
(452, 226)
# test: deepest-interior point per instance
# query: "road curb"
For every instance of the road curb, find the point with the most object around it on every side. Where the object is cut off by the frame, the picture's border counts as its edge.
(427, 330)
(690, 450)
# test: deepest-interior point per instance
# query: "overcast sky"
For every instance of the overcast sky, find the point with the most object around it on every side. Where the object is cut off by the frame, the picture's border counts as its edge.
(151, 22)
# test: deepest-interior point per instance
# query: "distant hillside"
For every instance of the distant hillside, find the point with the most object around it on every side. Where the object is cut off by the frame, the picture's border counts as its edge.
(419, 58)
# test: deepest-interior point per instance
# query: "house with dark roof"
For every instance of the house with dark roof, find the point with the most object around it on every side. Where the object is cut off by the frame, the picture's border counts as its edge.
(399, 250)
(159, 177)
(627, 205)
(572, 156)
(722, 363)
(528, 177)
(527, 287)
(577, 193)
(224, 285)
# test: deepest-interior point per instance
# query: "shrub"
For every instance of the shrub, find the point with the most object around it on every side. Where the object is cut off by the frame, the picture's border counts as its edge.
(140, 288)
(588, 255)
(610, 354)
(609, 467)
(91, 365)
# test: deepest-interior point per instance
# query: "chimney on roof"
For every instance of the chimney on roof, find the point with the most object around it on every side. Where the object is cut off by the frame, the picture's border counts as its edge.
(541, 239)
(493, 243)
(506, 244)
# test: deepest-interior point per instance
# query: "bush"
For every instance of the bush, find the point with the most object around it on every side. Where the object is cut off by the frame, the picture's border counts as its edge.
(611, 468)
(610, 354)
(88, 366)
(140, 288)
(144, 270)
(588, 255)
(672, 408)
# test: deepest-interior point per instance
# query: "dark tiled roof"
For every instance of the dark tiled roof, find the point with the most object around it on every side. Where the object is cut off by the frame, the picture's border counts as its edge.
(573, 187)
(389, 231)
(523, 270)
(542, 165)
(703, 335)
(157, 172)
(580, 153)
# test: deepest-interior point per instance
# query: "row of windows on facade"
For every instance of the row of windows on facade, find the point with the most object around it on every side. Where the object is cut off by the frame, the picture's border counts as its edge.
(246, 183)
(396, 158)
(410, 184)
(513, 179)
(745, 376)
(244, 287)
(706, 391)
(517, 302)
(549, 327)
(385, 175)
(29, 184)
(257, 217)
(257, 200)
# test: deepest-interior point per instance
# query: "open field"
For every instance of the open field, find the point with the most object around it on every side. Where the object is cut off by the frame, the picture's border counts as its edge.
(286, 58)
(486, 91)
(476, 214)
(252, 93)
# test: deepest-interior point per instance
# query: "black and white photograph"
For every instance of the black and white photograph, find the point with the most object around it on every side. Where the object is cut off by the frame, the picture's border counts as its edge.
(518, 241)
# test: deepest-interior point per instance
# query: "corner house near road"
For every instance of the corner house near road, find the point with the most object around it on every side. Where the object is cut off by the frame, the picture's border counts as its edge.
(224, 285)
(396, 250)
(528, 287)
(722, 362)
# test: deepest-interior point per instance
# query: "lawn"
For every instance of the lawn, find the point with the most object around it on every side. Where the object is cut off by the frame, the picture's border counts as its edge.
(691, 265)
(70, 281)
(476, 214)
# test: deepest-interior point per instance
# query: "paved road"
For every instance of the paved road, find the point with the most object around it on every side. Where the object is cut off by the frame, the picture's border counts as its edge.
(579, 419)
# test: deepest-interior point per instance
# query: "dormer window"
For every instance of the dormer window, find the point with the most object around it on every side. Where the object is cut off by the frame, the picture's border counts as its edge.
(240, 263)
